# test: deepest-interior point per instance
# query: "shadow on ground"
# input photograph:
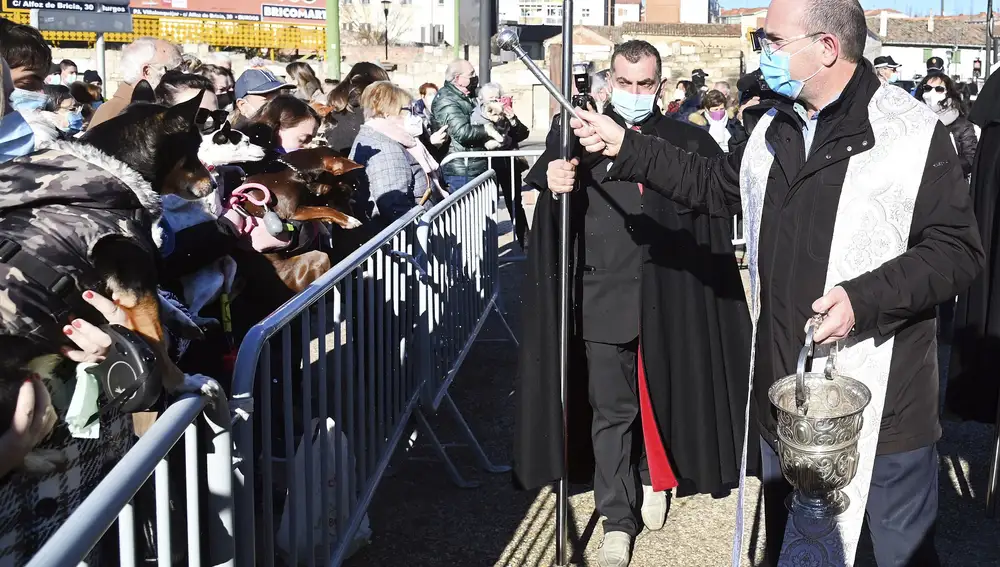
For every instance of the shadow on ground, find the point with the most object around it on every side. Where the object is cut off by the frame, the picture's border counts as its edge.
(420, 519)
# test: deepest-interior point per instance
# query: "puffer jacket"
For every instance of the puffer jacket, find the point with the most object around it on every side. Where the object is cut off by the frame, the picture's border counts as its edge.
(56, 204)
(965, 142)
(454, 108)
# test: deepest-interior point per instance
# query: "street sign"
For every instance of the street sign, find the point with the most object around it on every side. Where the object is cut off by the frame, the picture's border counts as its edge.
(103, 19)
(78, 15)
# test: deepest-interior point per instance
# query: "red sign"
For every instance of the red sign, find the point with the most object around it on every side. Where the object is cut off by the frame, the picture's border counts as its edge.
(310, 12)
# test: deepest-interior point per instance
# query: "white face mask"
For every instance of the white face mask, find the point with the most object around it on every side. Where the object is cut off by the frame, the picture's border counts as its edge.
(934, 99)
(679, 94)
(413, 125)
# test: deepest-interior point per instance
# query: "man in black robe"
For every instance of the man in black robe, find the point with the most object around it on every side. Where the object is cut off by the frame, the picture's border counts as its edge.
(973, 384)
(660, 408)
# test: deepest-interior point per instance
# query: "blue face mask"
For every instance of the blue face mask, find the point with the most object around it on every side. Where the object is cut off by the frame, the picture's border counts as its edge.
(16, 137)
(27, 101)
(634, 108)
(75, 120)
(776, 68)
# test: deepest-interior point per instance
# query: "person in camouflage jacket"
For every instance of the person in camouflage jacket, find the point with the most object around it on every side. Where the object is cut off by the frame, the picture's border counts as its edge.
(55, 205)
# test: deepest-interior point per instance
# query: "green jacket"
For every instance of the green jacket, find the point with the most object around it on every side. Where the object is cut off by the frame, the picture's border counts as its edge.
(454, 108)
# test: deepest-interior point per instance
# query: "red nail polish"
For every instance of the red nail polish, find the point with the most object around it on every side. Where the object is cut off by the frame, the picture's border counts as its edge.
(77, 324)
(68, 330)
(88, 294)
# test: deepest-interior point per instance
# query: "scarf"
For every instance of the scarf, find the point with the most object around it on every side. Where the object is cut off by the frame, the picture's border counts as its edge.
(947, 115)
(718, 130)
(409, 142)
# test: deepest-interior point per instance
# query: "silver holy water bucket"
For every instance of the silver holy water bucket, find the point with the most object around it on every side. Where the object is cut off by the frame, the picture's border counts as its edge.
(819, 423)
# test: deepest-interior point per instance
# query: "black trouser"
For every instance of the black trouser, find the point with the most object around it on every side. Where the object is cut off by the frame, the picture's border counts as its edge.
(620, 460)
(901, 512)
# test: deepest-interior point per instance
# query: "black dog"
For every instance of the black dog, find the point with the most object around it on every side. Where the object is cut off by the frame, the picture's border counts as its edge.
(84, 215)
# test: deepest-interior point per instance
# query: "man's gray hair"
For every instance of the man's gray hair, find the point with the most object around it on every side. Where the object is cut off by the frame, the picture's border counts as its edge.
(601, 80)
(636, 49)
(454, 69)
(140, 53)
(844, 19)
(490, 91)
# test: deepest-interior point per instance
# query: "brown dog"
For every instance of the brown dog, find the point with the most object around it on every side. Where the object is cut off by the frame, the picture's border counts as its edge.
(314, 185)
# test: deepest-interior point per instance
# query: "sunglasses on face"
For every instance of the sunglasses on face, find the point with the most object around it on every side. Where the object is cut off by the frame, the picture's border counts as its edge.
(210, 120)
(937, 89)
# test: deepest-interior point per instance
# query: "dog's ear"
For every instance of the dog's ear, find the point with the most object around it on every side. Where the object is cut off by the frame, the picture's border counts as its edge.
(186, 111)
(143, 92)
(337, 166)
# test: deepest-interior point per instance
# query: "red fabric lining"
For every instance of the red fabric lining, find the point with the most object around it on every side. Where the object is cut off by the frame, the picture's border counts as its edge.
(660, 472)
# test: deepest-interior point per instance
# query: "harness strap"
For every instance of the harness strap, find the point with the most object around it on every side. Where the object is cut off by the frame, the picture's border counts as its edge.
(60, 284)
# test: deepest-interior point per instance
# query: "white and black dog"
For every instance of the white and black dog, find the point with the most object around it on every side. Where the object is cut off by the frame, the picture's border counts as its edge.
(221, 146)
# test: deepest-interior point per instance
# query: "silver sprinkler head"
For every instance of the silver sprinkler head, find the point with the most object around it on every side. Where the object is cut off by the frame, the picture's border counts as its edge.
(507, 40)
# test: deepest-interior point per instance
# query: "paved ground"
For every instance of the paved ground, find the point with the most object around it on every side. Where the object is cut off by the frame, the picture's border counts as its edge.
(421, 519)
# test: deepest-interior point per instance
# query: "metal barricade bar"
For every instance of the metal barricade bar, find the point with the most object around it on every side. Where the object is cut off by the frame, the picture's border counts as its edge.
(361, 401)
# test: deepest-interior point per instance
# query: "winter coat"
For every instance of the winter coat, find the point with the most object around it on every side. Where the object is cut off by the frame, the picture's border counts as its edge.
(454, 108)
(343, 129)
(393, 182)
(57, 204)
(965, 141)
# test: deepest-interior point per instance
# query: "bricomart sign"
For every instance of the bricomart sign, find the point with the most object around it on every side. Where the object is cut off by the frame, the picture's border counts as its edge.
(291, 13)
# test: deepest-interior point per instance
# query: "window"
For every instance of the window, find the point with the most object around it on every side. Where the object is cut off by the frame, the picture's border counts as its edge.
(928, 53)
(956, 56)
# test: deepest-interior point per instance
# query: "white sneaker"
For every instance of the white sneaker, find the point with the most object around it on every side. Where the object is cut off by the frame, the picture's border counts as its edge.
(654, 508)
(616, 550)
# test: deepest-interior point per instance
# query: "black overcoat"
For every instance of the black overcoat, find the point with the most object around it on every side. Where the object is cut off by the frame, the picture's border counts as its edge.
(973, 381)
(695, 329)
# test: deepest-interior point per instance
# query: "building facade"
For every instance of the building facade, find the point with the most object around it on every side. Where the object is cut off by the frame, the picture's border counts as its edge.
(912, 41)
(628, 11)
(549, 12)
(682, 11)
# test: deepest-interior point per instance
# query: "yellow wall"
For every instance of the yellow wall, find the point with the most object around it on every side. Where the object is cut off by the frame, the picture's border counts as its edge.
(211, 32)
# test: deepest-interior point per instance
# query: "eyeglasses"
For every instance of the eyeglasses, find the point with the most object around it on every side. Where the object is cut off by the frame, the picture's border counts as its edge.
(770, 47)
(937, 89)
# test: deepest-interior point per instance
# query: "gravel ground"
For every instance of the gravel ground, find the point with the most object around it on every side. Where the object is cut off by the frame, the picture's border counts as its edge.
(421, 519)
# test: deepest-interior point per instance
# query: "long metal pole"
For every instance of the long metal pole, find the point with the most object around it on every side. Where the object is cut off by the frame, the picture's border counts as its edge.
(485, 39)
(101, 65)
(562, 493)
(386, 34)
(333, 39)
(989, 39)
(456, 41)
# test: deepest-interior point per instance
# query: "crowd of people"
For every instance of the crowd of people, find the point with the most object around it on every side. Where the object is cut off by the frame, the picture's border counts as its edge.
(389, 144)
(653, 246)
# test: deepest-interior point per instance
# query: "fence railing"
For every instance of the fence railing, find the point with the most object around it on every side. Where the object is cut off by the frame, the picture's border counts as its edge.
(207, 497)
(343, 366)
(509, 181)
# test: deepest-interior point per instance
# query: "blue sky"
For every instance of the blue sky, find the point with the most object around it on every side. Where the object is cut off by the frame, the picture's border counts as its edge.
(918, 6)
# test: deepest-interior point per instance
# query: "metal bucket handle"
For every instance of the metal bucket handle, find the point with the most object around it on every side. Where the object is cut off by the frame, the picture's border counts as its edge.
(805, 357)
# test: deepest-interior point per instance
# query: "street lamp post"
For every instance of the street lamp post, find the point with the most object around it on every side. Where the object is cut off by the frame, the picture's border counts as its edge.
(385, 10)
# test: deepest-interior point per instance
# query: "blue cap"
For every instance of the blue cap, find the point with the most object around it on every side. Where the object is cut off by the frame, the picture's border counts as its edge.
(258, 82)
